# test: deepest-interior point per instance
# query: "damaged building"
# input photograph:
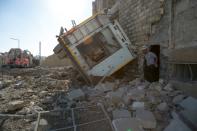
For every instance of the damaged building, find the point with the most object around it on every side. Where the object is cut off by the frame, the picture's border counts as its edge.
(167, 26)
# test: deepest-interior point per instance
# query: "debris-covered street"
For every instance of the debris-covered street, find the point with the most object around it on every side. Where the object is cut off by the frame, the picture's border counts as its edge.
(52, 91)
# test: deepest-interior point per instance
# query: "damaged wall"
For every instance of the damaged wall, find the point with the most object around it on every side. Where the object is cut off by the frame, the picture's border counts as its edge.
(168, 23)
(99, 5)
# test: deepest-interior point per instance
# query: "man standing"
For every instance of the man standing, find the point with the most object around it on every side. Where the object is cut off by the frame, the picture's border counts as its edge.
(150, 65)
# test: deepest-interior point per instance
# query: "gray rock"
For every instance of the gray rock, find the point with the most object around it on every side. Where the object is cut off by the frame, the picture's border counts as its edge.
(191, 116)
(1, 84)
(137, 105)
(155, 86)
(105, 87)
(168, 87)
(116, 97)
(178, 99)
(127, 124)
(146, 118)
(163, 106)
(189, 103)
(174, 115)
(77, 94)
(121, 113)
(135, 82)
(127, 99)
(161, 81)
(15, 105)
(136, 94)
(177, 125)
(43, 125)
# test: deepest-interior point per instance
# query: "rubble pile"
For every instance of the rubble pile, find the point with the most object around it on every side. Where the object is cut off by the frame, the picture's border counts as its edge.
(140, 105)
(24, 92)
(136, 105)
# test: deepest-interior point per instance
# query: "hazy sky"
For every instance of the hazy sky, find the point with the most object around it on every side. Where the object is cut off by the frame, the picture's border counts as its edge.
(32, 21)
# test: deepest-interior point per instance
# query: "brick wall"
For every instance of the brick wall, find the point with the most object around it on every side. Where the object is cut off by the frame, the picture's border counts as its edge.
(99, 5)
(171, 24)
(136, 17)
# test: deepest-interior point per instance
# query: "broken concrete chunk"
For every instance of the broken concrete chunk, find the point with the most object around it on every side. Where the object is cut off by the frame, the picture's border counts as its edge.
(127, 99)
(116, 96)
(174, 115)
(135, 82)
(163, 107)
(189, 103)
(77, 94)
(161, 81)
(168, 87)
(177, 125)
(127, 124)
(1, 84)
(105, 87)
(121, 113)
(146, 118)
(43, 125)
(15, 105)
(137, 105)
(155, 86)
(178, 99)
(136, 94)
(190, 116)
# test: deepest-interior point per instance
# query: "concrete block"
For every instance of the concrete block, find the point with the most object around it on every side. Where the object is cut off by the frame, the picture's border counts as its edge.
(105, 87)
(146, 118)
(190, 116)
(177, 125)
(178, 99)
(137, 105)
(189, 103)
(127, 124)
(77, 94)
(163, 106)
(15, 105)
(168, 87)
(43, 125)
(121, 113)
(136, 94)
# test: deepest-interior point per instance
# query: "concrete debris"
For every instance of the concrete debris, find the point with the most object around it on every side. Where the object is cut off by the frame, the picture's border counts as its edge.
(136, 94)
(131, 105)
(1, 84)
(178, 99)
(127, 124)
(168, 87)
(77, 94)
(161, 81)
(137, 105)
(115, 97)
(177, 125)
(105, 87)
(155, 86)
(189, 103)
(15, 105)
(43, 125)
(163, 106)
(190, 116)
(146, 118)
(135, 82)
(121, 113)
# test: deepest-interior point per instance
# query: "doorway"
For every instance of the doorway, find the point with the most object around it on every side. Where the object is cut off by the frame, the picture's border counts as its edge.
(156, 50)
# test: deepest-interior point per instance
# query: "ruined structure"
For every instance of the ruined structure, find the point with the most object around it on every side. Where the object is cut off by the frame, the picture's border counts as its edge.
(168, 26)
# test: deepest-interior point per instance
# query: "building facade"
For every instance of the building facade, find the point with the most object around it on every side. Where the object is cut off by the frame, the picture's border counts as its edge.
(169, 27)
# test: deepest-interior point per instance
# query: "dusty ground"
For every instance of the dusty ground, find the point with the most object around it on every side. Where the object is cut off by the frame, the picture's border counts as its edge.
(25, 92)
